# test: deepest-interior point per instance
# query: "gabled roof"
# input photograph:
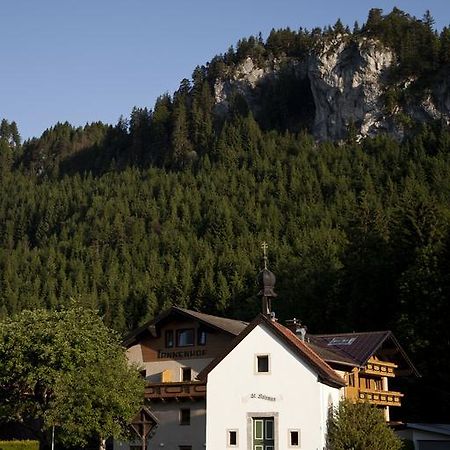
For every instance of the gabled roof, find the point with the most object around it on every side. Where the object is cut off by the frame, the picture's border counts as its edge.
(325, 373)
(349, 347)
(355, 349)
(230, 326)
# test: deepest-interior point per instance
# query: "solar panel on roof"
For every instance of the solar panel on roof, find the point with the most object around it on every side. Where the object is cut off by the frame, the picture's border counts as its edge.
(342, 341)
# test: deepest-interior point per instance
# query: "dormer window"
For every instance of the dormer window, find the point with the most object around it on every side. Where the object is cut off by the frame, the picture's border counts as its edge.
(185, 337)
(262, 364)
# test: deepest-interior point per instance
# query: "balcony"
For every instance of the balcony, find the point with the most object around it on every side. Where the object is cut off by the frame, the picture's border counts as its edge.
(380, 398)
(182, 390)
(380, 368)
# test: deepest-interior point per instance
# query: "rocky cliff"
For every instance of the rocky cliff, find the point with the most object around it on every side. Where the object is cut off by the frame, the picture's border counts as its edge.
(348, 81)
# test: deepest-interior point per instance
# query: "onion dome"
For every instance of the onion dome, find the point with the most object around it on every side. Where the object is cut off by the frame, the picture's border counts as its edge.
(266, 283)
(266, 279)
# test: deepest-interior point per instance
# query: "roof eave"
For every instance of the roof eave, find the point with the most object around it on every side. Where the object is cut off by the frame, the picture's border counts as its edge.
(334, 384)
(133, 336)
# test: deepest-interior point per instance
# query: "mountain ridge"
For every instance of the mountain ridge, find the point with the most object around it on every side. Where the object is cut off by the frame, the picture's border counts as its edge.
(390, 76)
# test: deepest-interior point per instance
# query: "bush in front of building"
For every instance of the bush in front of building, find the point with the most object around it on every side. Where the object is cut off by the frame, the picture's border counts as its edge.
(407, 444)
(19, 445)
(359, 426)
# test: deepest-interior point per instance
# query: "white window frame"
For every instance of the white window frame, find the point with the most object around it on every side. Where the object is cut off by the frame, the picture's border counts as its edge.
(299, 438)
(234, 430)
(269, 364)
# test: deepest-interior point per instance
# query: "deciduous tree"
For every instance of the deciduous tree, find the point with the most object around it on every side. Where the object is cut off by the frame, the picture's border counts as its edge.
(66, 369)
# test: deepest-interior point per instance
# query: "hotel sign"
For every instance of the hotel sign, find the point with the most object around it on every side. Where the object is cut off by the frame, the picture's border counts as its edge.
(162, 354)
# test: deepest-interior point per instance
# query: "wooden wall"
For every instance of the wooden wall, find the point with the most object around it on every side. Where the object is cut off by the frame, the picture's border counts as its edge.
(154, 348)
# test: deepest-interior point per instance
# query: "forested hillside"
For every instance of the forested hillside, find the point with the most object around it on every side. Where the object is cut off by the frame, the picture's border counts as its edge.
(171, 207)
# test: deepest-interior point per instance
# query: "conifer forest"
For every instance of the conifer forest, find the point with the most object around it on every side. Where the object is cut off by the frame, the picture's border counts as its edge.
(170, 207)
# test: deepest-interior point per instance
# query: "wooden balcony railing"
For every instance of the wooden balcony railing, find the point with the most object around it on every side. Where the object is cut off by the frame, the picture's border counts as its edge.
(175, 390)
(381, 398)
(381, 368)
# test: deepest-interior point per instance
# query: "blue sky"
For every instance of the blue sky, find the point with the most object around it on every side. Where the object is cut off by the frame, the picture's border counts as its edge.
(83, 61)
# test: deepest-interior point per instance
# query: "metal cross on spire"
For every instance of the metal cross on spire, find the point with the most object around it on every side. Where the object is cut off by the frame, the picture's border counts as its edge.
(265, 246)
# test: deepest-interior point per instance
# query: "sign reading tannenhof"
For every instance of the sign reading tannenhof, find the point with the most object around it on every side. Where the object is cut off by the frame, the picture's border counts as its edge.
(181, 354)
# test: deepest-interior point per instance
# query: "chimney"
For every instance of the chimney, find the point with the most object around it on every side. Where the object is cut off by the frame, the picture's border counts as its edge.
(297, 328)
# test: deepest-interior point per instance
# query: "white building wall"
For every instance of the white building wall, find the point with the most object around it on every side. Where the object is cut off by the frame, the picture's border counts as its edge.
(290, 392)
(134, 354)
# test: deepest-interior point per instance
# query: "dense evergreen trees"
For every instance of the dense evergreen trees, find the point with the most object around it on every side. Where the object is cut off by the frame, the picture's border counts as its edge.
(170, 207)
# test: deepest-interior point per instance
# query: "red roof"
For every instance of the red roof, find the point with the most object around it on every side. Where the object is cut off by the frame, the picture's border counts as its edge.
(325, 373)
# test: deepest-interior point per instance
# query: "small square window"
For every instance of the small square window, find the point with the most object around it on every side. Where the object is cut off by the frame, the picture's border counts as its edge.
(169, 338)
(185, 416)
(232, 438)
(294, 438)
(185, 338)
(186, 374)
(263, 363)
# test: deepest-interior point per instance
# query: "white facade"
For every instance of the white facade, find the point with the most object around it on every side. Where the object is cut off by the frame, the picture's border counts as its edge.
(290, 393)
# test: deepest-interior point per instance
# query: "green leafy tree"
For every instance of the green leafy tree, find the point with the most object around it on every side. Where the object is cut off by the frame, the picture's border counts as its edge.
(66, 369)
(359, 426)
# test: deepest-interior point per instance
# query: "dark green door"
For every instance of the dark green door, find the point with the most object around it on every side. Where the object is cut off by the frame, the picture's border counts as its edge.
(263, 433)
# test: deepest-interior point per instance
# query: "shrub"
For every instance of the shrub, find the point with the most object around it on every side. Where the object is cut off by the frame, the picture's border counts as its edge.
(19, 445)
(359, 426)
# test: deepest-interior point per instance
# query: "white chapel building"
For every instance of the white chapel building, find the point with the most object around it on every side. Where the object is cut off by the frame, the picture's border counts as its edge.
(268, 391)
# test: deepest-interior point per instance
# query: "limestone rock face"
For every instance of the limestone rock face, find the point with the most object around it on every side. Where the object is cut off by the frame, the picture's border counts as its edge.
(436, 104)
(243, 81)
(347, 85)
(347, 82)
